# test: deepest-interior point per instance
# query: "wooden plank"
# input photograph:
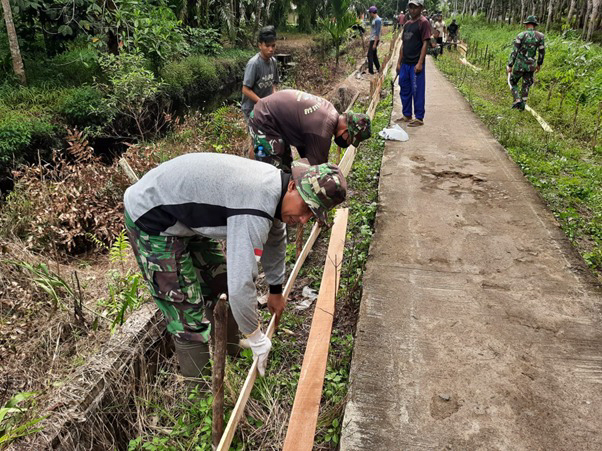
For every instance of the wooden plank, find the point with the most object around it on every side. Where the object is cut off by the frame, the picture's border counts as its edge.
(220, 314)
(304, 417)
(241, 402)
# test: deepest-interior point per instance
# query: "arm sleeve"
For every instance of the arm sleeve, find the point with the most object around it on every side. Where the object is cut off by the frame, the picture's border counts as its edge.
(245, 234)
(541, 53)
(425, 30)
(273, 258)
(249, 78)
(276, 74)
(377, 27)
(515, 49)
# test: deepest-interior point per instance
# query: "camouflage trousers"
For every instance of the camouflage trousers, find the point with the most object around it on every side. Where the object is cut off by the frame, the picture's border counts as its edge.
(270, 149)
(515, 77)
(185, 275)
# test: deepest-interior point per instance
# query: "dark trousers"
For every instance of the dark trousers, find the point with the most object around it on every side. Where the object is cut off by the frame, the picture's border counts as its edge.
(373, 58)
(411, 90)
(440, 43)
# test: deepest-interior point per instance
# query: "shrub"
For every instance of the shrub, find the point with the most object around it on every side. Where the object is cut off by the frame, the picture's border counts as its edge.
(76, 67)
(21, 134)
(204, 41)
(84, 107)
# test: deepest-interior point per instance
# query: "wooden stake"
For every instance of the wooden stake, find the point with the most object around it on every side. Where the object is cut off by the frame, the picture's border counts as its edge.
(304, 416)
(220, 314)
(597, 127)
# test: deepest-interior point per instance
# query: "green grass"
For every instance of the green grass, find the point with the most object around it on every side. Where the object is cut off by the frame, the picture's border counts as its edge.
(564, 166)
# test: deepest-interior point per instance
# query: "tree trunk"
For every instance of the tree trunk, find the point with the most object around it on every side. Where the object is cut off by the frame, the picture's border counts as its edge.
(585, 18)
(550, 9)
(569, 16)
(13, 43)
(258, 14)
(594, 19)
(267, 11)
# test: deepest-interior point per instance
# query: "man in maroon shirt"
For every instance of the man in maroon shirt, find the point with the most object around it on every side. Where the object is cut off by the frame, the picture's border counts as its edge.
(295, 118)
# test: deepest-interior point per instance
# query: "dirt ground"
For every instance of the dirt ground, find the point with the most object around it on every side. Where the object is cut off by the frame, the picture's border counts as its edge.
(480, 325)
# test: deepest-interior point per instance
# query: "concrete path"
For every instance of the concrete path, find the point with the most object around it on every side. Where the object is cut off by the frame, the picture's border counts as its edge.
(480, 327)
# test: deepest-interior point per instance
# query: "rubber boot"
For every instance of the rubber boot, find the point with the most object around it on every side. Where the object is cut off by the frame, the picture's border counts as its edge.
(193, 358)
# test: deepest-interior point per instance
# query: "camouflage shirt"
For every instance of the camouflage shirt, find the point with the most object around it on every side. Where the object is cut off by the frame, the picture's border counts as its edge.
(526, 46)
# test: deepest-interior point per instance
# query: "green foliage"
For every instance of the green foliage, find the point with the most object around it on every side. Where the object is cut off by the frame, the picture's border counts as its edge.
(85, 107)
(13, 421)
(50, 282)
(204, 41)
(124, 285)
(339, 24)
(20, 133)
(131, 88)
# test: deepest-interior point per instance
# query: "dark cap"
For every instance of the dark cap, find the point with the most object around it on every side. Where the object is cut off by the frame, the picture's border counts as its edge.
(372, 9)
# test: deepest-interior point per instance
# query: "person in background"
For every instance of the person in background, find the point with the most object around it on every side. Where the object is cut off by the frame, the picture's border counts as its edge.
(410, 65)
(261, 74)
(522, 63)
(453, 33)
(375, 30)
(440, 27)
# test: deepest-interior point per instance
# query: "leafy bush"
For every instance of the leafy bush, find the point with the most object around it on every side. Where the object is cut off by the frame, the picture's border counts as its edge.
(84, 107)
(76, 67)
(21, 133)
(204, 41)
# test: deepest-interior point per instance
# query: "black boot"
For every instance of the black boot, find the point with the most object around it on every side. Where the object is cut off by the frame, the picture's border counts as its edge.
(193, 358)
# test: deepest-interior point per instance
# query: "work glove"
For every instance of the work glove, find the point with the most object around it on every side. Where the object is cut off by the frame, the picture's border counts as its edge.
(260, 345)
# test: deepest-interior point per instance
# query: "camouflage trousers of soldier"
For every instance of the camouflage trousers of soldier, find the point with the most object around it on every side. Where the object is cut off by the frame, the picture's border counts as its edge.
(271, 149)
(185, 276)
(515, 77)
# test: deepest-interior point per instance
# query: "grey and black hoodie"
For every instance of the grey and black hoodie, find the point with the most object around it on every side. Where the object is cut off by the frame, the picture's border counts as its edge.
(220, 197)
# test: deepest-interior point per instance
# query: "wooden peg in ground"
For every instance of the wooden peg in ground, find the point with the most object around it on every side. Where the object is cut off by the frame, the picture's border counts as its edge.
(220, 315)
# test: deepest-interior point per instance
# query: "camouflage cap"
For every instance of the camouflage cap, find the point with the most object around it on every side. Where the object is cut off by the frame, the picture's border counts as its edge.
(321, 186)
(359, 127)
(531, 19)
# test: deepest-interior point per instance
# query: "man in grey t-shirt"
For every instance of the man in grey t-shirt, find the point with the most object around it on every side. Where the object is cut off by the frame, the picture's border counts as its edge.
(261, 73)
(375, 31)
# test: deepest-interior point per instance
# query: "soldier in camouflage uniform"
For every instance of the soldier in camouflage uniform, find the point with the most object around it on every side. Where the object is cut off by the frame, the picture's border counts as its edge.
(522, 62)
(174, 216)
(296, 118)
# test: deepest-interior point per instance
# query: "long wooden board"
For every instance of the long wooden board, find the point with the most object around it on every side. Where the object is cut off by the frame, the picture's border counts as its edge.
(241, 402)
(304, 416)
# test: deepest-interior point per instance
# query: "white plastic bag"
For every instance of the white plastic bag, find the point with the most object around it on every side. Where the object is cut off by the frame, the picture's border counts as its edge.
(395, 133)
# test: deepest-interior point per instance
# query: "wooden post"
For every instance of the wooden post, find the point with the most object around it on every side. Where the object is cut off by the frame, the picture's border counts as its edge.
(220, 314)
(576, 113)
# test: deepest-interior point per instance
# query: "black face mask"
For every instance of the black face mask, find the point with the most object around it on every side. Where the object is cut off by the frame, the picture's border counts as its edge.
(341, 142)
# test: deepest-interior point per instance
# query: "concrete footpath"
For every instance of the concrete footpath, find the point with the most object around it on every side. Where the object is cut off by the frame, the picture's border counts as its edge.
(480, 326)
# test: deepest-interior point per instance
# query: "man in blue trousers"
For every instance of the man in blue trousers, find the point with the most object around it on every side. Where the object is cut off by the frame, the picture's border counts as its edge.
(410, 65)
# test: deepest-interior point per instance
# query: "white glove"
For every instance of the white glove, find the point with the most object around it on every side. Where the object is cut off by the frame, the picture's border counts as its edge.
(260, 345)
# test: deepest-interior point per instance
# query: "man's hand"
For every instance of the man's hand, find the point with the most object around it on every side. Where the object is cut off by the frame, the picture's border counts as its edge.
(537, 68)
(509, 69)
(276, 304)
(418, 68)
(260, 345)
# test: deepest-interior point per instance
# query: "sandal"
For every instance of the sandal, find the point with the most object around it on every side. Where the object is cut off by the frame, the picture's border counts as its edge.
(404, 119)
(416, 123)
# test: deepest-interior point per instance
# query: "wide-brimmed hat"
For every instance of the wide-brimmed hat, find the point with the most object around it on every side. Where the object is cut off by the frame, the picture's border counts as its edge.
(531, 19)
(321, 186)
(358, 125)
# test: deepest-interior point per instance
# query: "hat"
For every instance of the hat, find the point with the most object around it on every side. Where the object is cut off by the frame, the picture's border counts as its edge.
(322, 186)
(416, 2)
(359, 127)
(531, 19)
(372, 9)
